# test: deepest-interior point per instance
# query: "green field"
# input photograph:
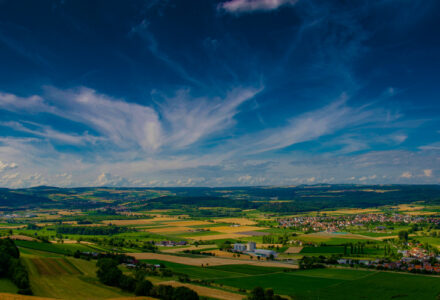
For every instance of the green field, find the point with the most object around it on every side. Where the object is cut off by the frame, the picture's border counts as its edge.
(343, 284)
(6, 286)
(55, 248)
(324, 249)
(56, 276)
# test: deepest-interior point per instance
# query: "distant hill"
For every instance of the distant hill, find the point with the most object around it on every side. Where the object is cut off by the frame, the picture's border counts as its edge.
(275, 199)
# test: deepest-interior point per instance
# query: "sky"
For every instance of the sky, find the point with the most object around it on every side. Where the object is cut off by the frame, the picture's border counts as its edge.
(219, 93)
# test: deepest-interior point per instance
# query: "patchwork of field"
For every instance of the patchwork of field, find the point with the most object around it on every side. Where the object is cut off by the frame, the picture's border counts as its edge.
(210, 261)
(189, 223)
(181, 249)
(329, 235)
(352, 211)
(216, 237)
(138, 221)
(207, 291)
(239, 221)
(237, 229)
(169, 229)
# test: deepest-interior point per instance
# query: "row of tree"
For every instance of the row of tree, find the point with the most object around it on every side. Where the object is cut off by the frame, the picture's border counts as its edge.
(92, 230)
(12, 268)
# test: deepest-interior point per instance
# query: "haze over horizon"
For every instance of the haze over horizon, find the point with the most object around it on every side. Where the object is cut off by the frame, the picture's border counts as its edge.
(219, 93)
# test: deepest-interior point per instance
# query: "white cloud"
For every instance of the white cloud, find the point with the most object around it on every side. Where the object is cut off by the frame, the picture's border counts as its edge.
(30, 104)
(406, 175)
(192, 119)
(364, 178)
(49, 133)
(312, 125)
(108, 179)
(427, 172)
(125, 124)
(7, 166)
(243, 6)
(311, 179)
(245, 179)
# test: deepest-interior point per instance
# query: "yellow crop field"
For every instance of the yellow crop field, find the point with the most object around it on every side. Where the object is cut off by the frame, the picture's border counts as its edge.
(19, 237)
(408, 207)
(220, 253)
(236, 229)
(352, 211)
(207, 291)
(13, 227)
(293, 250)
(188, 223)
(169, 229)
(216, 237)
(420, 213)
(180, 249)
(240, 221)
(138, 221)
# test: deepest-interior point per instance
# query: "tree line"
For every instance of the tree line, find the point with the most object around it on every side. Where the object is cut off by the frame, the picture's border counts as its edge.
(12, 268)
(92, 230)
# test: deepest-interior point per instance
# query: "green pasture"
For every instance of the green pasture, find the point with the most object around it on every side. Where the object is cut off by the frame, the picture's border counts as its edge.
(66, 249)
(6, 286)
(342, 284)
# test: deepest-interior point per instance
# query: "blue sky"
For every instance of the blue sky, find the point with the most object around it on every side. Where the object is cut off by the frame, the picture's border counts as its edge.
(219, 93)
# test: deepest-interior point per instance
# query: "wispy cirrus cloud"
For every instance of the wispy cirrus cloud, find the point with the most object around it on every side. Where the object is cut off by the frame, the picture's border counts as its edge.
(315, 124)
(178, 122)
(247, 6)
(189, 119)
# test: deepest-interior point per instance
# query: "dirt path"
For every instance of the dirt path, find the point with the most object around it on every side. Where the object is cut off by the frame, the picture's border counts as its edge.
(207, 291)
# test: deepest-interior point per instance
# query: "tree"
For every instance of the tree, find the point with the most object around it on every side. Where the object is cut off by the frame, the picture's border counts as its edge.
(143, 288)
(127, 283)
(403, 235)
(108, 272)
(184, 293)
(257, 294)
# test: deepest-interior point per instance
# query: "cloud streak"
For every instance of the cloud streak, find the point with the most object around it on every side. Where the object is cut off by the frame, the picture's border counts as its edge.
(247, 6)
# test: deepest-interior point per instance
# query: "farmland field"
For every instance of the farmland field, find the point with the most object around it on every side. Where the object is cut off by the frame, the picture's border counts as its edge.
(343, 284)
(6, 286)
(303, 254)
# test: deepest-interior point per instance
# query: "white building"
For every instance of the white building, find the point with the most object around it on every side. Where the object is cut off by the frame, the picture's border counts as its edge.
(251, 246)
(265, 253)
(240, 247)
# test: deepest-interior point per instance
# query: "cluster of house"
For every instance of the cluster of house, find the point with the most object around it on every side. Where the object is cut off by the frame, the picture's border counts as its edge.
(414, 259)
(10, 217)
(336, 223)
(170, 243)
(251, 249)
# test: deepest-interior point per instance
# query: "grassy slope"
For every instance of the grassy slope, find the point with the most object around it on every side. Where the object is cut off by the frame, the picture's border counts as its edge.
(6, 286)
(56, 276)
